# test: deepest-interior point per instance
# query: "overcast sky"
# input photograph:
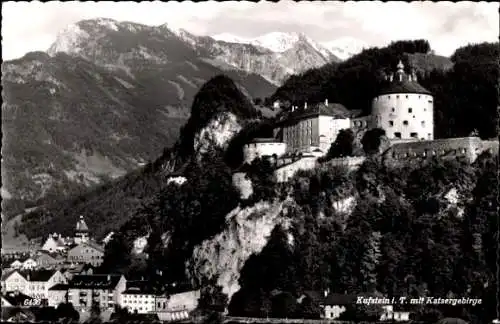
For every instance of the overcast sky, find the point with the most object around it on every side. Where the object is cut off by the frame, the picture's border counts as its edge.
(32, 26)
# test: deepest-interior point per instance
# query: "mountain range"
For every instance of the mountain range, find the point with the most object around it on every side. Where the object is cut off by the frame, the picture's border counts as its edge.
(108, 96)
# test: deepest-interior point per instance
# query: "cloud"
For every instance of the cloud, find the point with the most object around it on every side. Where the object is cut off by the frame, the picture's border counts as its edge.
(29, 26)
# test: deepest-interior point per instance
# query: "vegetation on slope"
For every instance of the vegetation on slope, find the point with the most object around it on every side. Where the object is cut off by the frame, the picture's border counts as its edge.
(109, 206)
(403, 238)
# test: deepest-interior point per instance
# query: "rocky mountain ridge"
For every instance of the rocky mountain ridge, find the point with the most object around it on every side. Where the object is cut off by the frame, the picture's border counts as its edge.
(275, 56)
(105, 99)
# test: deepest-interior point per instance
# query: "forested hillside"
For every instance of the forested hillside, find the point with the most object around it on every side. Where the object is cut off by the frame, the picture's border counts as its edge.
(464, 86)
(109, 206)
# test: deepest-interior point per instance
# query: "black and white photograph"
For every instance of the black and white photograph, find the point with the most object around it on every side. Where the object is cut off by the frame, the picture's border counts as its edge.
(288, 162)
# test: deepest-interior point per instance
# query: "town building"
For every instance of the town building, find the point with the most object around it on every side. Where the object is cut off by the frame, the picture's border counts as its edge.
(334, 305)
(58, 294)
(138, 300)
(13, 281)
(87, 252)
(54, 243)
(49, 260)
(176, 306)
(316, 127)
(263, 147)
(391, 313)
(105, 290)
(39, 282)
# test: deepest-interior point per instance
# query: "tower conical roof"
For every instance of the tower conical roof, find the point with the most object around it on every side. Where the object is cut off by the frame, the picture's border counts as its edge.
(81, 226)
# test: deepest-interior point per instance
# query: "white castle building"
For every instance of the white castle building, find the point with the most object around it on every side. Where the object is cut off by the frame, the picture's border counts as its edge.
(404, 109)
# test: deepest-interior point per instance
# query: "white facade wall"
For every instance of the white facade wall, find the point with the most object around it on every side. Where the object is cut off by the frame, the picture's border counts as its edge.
(333, 311)
(409, 114)
(142, 303)
(56, 297)
(16, 282)
(252, 151)
(40, 289)
(329, 128)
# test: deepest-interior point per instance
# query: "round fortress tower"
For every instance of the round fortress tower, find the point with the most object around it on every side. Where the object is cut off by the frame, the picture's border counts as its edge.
(404, 109)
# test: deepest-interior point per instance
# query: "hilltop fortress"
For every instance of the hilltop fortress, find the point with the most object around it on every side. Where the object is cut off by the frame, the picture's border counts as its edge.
(403, 109)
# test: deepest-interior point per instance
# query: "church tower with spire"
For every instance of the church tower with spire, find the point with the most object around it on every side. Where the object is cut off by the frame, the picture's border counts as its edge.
(81, 231)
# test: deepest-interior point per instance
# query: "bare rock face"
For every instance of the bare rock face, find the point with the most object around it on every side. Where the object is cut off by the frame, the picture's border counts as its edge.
(217, 133)
(247, 232)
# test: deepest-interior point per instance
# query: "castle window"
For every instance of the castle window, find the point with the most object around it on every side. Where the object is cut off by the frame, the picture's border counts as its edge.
(422, 123)
(397, 135)
(405, 122)
(410, 110)
(406, 96)
(391, 123)
(419, 97)
(397, 96)
(393, 109)
(388, 97)
(430, 101)
(414, 135)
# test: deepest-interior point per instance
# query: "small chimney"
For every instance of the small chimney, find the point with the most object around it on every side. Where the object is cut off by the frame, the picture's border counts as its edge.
(326, 292)
(305, 105)
(410, 78)
(326, 102)
(109, 277)
(391, 77)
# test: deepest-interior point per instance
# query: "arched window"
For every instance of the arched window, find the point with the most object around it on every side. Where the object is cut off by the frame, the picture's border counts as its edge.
(410, 110)
(422, 123)
(391, 123)
(405, 122)
(393, 109)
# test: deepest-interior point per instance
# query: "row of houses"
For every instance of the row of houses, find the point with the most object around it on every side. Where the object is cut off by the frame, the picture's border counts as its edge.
(53, 287)
(58, 252)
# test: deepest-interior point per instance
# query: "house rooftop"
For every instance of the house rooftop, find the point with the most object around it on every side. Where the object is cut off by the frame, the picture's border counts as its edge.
(38, 275)
(94, 281)
(15, 298)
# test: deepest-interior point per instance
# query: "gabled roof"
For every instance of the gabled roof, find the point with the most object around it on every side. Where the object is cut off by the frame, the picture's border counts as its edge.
(39, 275)
(7, 274)
(333, 110)
(15, 298)
(94, 281)
(90, 244)
(59, 287)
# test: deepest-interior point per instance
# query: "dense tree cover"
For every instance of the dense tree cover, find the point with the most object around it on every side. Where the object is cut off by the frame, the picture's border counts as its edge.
(374, 141)
(402, 238)
(342, 147)
(353, 82)
(185, 215)
(465, 97)
(109, 206)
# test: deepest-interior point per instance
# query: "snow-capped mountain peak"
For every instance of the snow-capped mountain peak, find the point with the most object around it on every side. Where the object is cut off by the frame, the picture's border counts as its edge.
(279, 42)
(68, 40)
(230, 38)
(345, 47)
